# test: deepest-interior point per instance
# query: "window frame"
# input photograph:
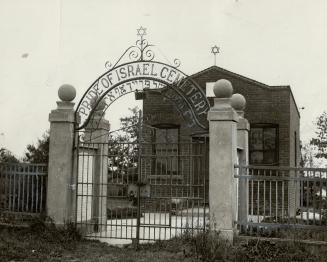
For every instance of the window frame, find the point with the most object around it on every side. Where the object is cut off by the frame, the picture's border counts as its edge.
(169, 173)
(264, 126)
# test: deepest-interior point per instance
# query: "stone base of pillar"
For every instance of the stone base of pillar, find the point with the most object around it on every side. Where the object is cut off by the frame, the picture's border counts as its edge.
(227, 234)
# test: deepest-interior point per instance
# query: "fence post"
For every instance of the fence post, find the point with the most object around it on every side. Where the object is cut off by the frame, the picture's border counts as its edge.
(60, 190)
(222, 157)
(238, 102)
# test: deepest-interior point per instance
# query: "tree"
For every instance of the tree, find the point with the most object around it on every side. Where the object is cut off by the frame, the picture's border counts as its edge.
(308, 159)
(320, 141)
(7, 157)
(122, 141)
(40, 152)
(130, 124)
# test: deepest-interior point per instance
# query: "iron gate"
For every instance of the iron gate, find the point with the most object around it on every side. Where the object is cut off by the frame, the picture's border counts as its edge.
(143, 189)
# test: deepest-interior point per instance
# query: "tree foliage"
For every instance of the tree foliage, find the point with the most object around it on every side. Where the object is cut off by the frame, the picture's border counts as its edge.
(129, 125)
(308, 156)
(38, 153)
(128, 132)
(7, 157)
(320, 141)
(122, 141)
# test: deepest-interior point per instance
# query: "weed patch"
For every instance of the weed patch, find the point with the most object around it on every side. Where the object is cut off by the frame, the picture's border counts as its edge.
(42, 241)
(209, 247)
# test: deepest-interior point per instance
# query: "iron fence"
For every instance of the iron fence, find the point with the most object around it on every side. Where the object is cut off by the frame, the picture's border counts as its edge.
(282, 198)
(23, 188)
(142, 191)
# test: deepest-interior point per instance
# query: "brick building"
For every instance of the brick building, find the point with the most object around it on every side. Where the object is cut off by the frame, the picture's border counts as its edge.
(271, 111)
(273, 139)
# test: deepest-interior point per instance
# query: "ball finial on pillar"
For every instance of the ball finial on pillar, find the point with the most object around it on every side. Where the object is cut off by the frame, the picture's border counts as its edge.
(67, 93)
(223, 88)
(238, 102)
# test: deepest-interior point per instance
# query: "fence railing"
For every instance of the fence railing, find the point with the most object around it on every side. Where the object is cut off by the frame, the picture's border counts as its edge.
(282, 197)
(23, 188)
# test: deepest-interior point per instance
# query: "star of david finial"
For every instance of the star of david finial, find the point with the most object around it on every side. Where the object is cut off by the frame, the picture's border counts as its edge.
(141, 32)
(215, 50)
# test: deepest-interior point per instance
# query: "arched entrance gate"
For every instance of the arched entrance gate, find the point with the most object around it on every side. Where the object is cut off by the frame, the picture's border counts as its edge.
(140, 182)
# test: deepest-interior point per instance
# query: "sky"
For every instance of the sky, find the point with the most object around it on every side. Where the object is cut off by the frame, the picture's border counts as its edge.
(46, 43)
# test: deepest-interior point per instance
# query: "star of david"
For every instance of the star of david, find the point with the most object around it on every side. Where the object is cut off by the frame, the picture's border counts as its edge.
(215, 50)
(141, 31)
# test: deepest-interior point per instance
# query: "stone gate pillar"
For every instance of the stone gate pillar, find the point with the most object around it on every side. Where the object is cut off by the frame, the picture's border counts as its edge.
(222, 157)
(97, 137)
(60, 168)
(238, 103)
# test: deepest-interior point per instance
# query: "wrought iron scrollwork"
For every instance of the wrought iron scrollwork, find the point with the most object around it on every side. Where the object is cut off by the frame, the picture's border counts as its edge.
(140, 52)
(108, 65)
(177, 62)
(82, 138)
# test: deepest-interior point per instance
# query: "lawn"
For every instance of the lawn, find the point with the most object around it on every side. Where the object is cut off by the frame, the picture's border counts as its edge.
(41, 242)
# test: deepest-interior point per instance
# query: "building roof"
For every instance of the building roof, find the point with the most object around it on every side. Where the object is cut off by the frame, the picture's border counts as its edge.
(249, 80)
(222, 70)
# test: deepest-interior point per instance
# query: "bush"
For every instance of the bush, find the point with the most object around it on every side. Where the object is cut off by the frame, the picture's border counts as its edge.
(209, 247)
(47, 230)
(265, 250)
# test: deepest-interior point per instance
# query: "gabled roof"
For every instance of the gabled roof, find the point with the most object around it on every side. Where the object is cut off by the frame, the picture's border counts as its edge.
(249, 80)
(232, 74)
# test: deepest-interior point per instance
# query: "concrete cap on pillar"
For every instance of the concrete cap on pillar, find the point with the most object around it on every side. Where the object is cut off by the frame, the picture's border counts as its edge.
(67, 93)
(223, 88)
(238, 102)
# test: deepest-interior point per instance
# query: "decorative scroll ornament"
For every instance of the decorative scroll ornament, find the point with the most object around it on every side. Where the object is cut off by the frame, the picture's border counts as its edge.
(137, 70)
(108, 65)
(140, 52)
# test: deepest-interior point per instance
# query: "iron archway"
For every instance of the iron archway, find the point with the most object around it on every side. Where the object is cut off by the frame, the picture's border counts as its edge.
(142, 73)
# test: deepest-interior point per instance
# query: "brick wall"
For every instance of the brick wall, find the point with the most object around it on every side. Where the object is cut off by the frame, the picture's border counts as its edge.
(265, 105)
(268, 105)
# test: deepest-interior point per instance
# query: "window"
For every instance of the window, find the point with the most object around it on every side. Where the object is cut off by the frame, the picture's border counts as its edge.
(263, 144)
(209, 89)
(166, 151)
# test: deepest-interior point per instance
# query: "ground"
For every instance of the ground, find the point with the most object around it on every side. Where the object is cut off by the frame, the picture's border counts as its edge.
(18, 244)
(41, 242)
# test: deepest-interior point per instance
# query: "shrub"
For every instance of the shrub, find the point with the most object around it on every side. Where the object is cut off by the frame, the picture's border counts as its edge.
(209, 247)
(47, 230)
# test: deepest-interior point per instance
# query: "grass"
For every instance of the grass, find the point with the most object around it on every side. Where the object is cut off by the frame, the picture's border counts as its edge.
(288, 231)
(45, 242)
(209, 247)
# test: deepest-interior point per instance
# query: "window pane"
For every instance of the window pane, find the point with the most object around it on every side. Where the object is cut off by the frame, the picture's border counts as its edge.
(256, 157)
(172, 136)
(161, 136)
(256, 139)
(167, 135)
(166, 149)
(269, 138)
(263, 144)
(269, 157)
